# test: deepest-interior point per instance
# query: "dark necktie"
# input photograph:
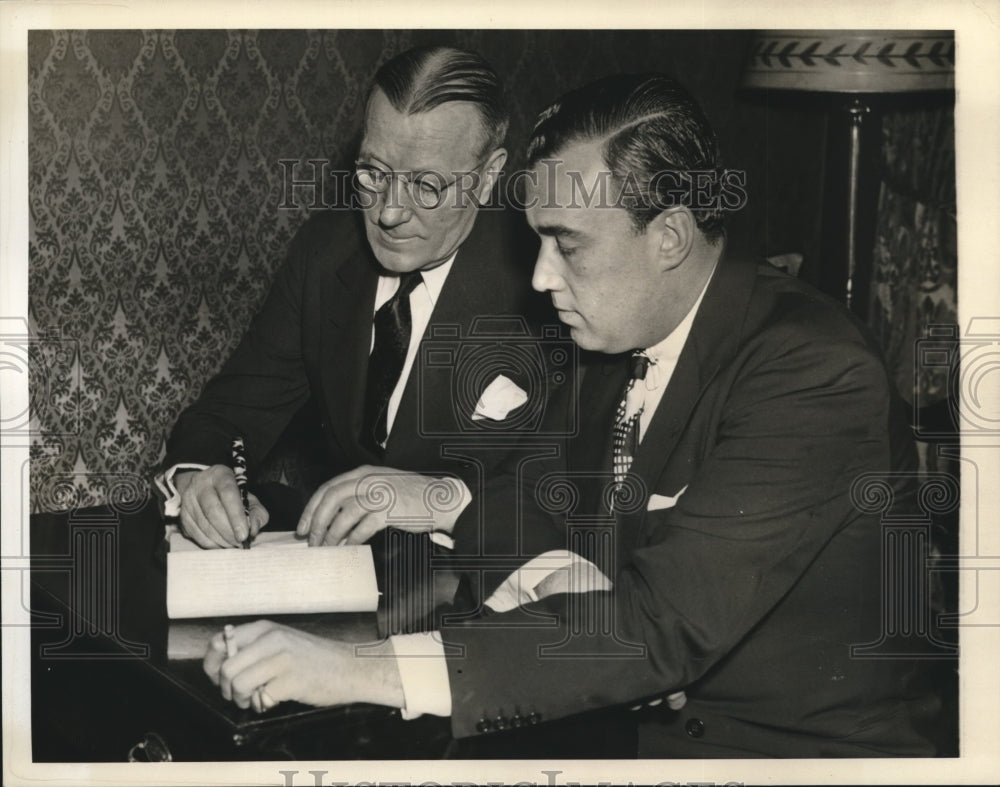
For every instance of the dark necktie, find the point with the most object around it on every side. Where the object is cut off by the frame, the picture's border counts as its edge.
(626, 432)
(393, 326)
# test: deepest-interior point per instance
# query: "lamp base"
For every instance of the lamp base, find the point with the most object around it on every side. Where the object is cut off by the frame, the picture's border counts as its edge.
(850, 203)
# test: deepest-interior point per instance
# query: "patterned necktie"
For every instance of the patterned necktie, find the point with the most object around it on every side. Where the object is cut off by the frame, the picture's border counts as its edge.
(626, 433)
(393, 325)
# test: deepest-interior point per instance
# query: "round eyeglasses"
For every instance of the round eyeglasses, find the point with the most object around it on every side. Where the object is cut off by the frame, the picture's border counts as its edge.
(427, 189)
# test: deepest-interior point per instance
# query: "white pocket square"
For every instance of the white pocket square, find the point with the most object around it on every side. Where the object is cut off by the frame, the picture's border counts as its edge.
(500, 397)
(659, 502)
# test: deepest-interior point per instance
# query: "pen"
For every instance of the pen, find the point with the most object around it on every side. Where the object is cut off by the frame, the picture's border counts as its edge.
(240, 471)
(258, 694)
(227, 634)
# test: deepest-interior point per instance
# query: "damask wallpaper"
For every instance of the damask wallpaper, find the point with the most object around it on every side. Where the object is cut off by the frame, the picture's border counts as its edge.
(156, 190)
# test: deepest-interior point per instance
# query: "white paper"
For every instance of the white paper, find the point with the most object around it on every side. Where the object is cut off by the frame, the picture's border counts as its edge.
(279, 575)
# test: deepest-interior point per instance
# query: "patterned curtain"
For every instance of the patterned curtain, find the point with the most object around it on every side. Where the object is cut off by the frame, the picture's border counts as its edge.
(916, 255)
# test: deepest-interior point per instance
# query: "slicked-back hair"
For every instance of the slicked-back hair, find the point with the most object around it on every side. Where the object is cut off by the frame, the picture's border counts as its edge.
(425, 77)
(649, 124)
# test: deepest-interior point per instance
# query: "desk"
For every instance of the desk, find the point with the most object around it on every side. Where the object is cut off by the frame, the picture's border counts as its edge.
(101, 680)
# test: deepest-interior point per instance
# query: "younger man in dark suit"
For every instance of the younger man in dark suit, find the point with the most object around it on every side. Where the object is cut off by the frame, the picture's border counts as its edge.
(721, 571)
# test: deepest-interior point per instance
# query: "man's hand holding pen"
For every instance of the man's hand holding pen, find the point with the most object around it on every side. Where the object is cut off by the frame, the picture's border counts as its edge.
(240, 474)
(212, 513)
(217, 510)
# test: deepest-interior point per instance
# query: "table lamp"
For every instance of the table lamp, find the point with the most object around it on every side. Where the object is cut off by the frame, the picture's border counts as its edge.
(857, 70)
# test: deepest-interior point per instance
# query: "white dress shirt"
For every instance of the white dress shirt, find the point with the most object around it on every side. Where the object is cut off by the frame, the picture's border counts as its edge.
(422, 301)
(423, 298)
(423, 669)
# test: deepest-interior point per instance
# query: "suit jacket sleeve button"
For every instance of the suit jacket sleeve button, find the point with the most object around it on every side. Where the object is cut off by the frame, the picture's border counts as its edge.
(534, 718)
(484, 725)
(500, 723)
(695, 728)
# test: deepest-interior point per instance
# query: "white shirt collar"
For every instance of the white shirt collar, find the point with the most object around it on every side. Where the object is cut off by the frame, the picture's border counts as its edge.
(664, 354)
(433, 280)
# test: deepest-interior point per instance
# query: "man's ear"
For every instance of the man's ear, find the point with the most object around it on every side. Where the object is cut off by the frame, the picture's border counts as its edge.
(491, 172)
(676, 232)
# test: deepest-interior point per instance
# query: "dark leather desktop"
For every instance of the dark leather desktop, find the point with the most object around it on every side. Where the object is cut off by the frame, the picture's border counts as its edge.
(100, 678)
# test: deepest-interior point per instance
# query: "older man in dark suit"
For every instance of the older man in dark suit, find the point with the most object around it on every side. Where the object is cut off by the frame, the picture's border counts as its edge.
(718, 572)
(348, 317)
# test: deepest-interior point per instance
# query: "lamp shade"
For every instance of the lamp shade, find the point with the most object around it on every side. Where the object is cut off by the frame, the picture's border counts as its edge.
(852, 61)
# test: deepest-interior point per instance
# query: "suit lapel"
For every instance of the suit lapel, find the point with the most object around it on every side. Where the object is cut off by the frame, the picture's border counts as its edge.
(454, 304)
(472, 288)
(590, 451)
(348, 301)
(714, 338)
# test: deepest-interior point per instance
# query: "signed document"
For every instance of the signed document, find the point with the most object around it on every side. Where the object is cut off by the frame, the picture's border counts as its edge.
(278, 575)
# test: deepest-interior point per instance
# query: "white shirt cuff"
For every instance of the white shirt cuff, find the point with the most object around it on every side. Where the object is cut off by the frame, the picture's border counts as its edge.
(442, 538)
(567, 573)
(165, 483)
(423, 673)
